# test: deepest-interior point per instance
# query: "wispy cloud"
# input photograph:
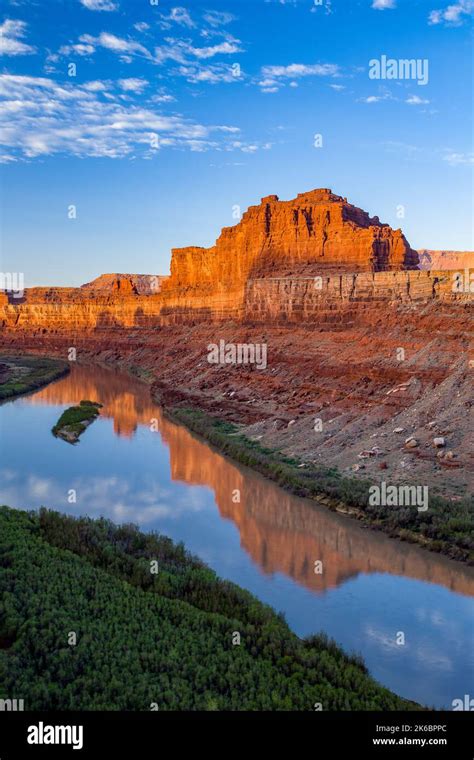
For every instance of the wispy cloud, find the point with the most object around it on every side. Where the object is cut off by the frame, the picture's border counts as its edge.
(132, 85)
(211, 73)
(11, 33)
(79, 48)
(383, 5)
(120, 45)
(376, 98)
(274, 77)
(301, 70)
(179, 16)
(452, 15)
(218, 18)
(141, 26)
(182, 51)
(100, 5)
(177, 50)
(41, 117)
(458, 159)
(162, 97)
(415, 100)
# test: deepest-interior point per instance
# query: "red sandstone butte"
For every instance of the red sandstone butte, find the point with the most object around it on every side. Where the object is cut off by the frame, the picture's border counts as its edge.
(317, 230)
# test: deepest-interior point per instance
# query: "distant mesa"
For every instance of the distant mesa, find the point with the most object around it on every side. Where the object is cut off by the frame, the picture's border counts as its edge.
(126, 284)
(442, 260)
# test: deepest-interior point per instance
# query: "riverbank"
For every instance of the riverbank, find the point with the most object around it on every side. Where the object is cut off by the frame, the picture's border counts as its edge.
(105, 617)
(445, 527)
(20, 374)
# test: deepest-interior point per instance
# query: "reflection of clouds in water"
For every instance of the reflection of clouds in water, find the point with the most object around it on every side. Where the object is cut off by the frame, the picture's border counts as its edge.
(436, 619)
(39, 487)
(423, 652)
(111, 496)
(425, 615)
(386, 640)
(431, 658)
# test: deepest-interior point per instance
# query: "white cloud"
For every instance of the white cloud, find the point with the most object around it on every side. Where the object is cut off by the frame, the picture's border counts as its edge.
(457, 159)
(300, 70)
(337, 87)
(210, 74)
(218, 18)
(96, 86)
(125, 48)
(132, 85)
(78, 49)
(11, 32)
(384, 94)
(181, 50)
(162, 98)
(41, 117)
(275, 76)
(415, 100)
(382, 5)
(249, 147)
(452, 15)
(223, 48)
(7, 159)
(179, 16)
(99, 5)
(141, 26)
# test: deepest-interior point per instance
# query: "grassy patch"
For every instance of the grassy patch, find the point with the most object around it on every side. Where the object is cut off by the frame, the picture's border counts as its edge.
(446, 527)
(24, 374)
(75, 420)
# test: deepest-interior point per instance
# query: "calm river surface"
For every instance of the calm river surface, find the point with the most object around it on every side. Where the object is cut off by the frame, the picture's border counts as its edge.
(133, 465)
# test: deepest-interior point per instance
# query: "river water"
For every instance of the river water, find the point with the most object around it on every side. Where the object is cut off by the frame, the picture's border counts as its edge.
(133, 465)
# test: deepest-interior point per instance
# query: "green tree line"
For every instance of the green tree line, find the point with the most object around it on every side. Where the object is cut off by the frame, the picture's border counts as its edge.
(86, 624)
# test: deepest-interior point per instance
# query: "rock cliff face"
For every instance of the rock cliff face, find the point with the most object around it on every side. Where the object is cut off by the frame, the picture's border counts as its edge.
(317, 231)
(332, 298)
(318, 234)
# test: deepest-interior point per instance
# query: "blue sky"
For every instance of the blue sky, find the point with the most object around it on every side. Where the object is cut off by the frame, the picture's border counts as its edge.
(178, 114)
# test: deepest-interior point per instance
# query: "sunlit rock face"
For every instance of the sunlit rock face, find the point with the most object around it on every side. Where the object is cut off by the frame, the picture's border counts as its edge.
(311, 258)
(127, 284)
(317, 231)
